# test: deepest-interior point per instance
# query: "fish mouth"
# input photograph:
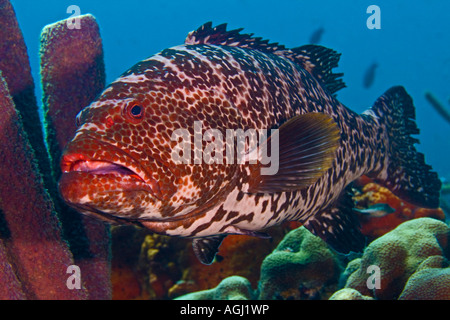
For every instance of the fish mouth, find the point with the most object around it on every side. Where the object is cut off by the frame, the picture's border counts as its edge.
(77, 163)
(127, 176)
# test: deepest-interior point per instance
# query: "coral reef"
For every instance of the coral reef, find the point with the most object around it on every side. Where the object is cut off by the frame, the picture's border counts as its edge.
(301, 267)
(349, 294)
(445, 200)
(431, 281)
(371, 193)
(231, 288)
(398, 254)
(40, 237)
(238, 255)
(127, 279)
(168, 268)
(413, 261)
(160, 262)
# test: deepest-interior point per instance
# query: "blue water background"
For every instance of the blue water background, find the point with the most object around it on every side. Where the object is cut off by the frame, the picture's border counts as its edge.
(412, 48)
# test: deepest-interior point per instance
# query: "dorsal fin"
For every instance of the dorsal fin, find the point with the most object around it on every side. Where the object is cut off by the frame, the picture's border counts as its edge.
(207, 34)
(317, 60)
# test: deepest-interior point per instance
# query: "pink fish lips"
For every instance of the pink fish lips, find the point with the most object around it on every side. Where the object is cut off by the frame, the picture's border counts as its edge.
(95, 166)
(83, 177)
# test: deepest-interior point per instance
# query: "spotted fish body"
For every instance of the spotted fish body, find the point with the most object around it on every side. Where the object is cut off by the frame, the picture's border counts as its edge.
(119, 166)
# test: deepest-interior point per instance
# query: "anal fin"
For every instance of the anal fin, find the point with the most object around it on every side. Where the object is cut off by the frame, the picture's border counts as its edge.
(338, 226)
(206, 248)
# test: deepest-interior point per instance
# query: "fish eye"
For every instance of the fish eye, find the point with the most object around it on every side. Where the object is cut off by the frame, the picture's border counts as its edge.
(134, 112)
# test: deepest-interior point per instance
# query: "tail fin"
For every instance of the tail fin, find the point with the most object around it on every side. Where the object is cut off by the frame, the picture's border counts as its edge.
(406, 174)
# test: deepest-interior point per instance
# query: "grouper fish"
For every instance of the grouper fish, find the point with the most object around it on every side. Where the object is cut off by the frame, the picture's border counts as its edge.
(130, 161)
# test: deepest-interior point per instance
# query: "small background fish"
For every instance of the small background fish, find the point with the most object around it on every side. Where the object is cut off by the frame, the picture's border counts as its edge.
(438, 106)
(369, 75)
(316, 36)
(377, 210)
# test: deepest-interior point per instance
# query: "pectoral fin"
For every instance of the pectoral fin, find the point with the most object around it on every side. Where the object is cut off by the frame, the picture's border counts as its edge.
(306, 150)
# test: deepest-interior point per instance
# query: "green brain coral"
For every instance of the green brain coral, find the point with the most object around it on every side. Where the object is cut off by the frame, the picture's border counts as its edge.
(231, 288)
(301, 267)
(431, 281)
(398, 254)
